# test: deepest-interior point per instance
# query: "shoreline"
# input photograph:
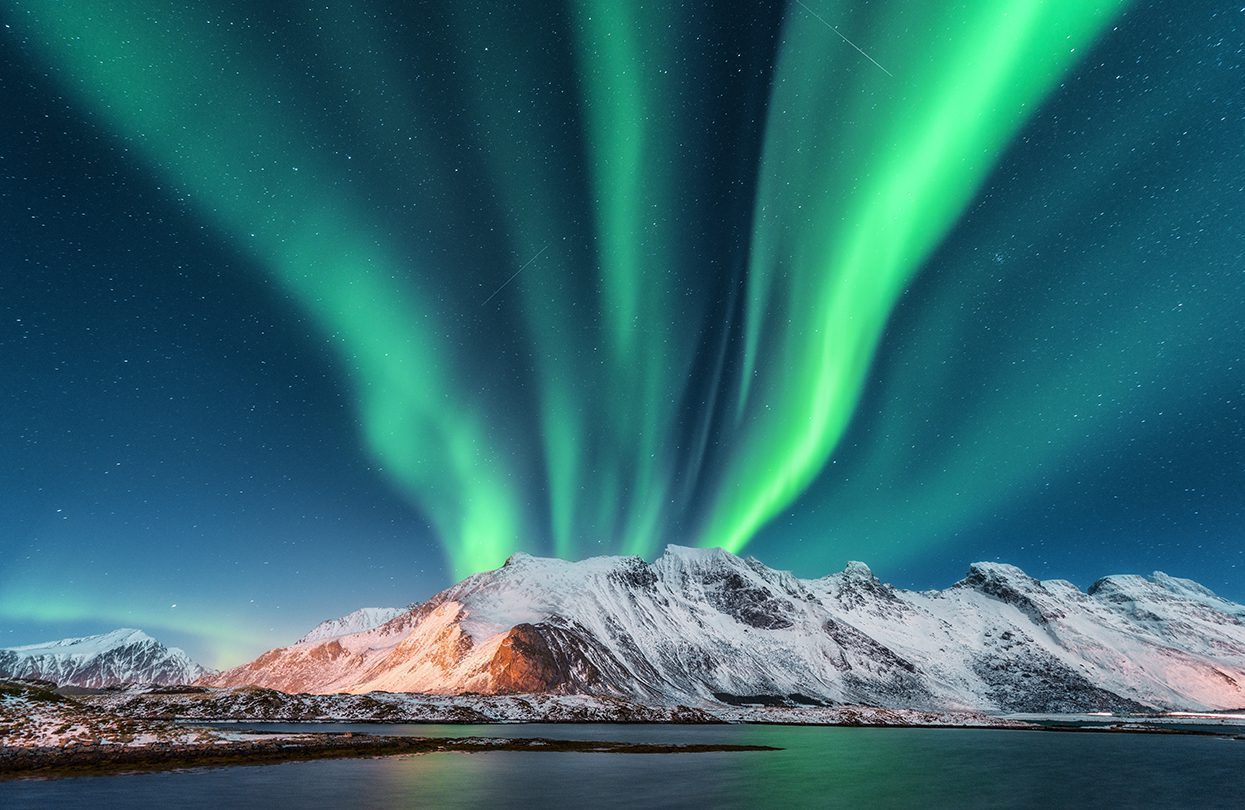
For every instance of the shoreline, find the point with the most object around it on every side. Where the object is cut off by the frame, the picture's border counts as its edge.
(101, 760)
(1120, 727)
(45, 735)
(277, 747)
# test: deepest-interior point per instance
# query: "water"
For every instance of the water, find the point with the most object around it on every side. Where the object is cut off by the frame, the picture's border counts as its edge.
(820, 767)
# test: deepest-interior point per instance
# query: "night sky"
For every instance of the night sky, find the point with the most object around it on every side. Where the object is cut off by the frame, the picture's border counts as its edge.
(310, 307)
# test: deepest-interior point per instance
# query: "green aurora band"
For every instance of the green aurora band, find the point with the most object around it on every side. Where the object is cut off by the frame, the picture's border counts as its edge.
(862, 173)
(1059, 372)
(181, 110)
(854, 196)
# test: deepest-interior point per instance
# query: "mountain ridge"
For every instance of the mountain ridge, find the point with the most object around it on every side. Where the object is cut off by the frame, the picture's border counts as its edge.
(696, 625)
(354, 622)
(121, 656)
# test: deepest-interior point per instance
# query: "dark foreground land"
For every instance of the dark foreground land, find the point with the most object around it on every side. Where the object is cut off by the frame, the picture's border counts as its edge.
(47, 734)
(25, 763)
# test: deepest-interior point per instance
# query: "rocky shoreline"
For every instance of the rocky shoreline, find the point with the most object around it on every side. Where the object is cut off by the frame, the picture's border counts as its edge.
(251, 704)
(56, 762)
(47, 734)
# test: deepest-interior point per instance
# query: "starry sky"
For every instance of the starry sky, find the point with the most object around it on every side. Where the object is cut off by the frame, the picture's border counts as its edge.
(306, 307)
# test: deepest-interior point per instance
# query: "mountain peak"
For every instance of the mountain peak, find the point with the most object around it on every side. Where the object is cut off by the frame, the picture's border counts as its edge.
(353, 622)
(516, 558)
(1182, 586)
(1120, 586)
(124, 655)
(1014, 587)
(125, 635)
(858, 570)
(1145, 595)
(121, 637)
(998, 571)
(696, 552)
(696, 563)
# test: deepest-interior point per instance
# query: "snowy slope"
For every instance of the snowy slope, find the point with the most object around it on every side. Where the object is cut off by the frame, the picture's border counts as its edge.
(705, 626)
(356, 622)
(122, 656)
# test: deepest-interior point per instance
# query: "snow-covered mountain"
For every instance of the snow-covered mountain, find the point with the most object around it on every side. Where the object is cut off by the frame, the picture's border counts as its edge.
(703, 626)
(122, 656)
(356, 622)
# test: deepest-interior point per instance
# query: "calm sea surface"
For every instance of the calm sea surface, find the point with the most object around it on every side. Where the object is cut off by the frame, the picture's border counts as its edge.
(820, 767)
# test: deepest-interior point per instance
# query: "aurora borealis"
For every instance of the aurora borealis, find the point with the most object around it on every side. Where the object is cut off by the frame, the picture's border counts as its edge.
(376, 294)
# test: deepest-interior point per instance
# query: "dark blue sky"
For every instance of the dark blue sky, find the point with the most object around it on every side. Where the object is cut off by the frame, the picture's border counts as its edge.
(183, 448)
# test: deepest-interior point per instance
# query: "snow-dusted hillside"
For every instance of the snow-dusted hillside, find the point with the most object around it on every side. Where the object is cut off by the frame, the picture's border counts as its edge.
(356, 622)
(122, 656)
(704, 626)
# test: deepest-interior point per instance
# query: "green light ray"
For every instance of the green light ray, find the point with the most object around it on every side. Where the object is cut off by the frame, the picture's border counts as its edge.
(862, 175)
(843, 227)
(628, 54)
(187, 106)
(1061, 389)
(523, 160)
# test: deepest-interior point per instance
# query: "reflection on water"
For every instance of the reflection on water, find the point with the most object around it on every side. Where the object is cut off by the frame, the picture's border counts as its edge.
(820, 767)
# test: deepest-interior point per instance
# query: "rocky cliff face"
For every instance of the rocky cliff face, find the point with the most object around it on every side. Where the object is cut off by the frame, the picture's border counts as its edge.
(705, 626)
(122, 656)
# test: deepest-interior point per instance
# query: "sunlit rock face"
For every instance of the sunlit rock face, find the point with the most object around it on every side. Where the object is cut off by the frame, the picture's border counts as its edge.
(705, 625)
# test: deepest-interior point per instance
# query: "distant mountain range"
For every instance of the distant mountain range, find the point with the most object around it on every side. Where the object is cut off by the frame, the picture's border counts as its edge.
(703, 626)
(122, 656)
